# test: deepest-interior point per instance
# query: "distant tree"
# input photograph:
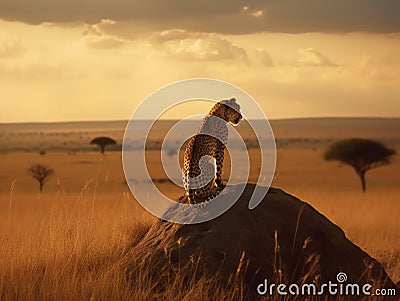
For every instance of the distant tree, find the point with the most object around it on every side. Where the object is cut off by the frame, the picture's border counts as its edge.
(102, 142)
(41, 174)
(361, 154)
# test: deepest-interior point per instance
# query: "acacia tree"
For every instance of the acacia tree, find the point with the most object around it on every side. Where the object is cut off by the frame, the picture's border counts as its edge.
(102, 142)
(41, 174)
(361, 154)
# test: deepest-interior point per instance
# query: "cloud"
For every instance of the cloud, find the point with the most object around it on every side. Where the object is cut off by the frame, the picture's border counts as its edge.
(263, 56)
(175, 34)
(196, 46)
(102, 42)
(257, 13)
(95, 37)
(314, 58)
(223, 16)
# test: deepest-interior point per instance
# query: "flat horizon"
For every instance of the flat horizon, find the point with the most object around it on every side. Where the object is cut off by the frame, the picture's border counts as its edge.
(176, 119)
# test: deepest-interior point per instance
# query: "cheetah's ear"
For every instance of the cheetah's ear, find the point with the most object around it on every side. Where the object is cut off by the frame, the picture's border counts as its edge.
(231, 101)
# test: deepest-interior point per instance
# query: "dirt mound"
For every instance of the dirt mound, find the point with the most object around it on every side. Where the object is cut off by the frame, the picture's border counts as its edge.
(284, 240)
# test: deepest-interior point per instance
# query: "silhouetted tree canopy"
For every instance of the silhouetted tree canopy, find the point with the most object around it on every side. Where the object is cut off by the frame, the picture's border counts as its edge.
(102, 142)
(41, 174)
(361, 154)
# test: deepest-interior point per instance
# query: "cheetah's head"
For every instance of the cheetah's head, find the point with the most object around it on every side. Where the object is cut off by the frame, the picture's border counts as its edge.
(232, 112)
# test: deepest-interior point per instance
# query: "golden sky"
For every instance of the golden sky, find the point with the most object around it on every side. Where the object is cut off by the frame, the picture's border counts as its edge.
(96, 60)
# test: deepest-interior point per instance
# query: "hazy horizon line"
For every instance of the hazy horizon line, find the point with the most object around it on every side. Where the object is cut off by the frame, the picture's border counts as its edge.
(176, 119)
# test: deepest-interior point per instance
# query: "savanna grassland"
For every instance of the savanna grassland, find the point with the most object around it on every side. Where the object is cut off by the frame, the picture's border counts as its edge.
(64, 243)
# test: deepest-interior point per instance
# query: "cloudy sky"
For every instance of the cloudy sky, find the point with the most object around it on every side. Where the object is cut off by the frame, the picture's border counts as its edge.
(96, 60)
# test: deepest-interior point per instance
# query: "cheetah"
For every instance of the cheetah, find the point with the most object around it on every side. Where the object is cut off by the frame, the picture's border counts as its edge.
(204, 154)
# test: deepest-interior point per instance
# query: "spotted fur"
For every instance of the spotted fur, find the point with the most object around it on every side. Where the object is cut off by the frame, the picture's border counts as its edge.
(204, 154)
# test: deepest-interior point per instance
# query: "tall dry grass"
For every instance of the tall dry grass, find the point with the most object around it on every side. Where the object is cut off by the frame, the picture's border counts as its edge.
(65, 246)
(60, 247)
(370, 220)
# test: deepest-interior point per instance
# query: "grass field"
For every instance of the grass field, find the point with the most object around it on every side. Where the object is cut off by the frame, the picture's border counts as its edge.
(63, 244)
